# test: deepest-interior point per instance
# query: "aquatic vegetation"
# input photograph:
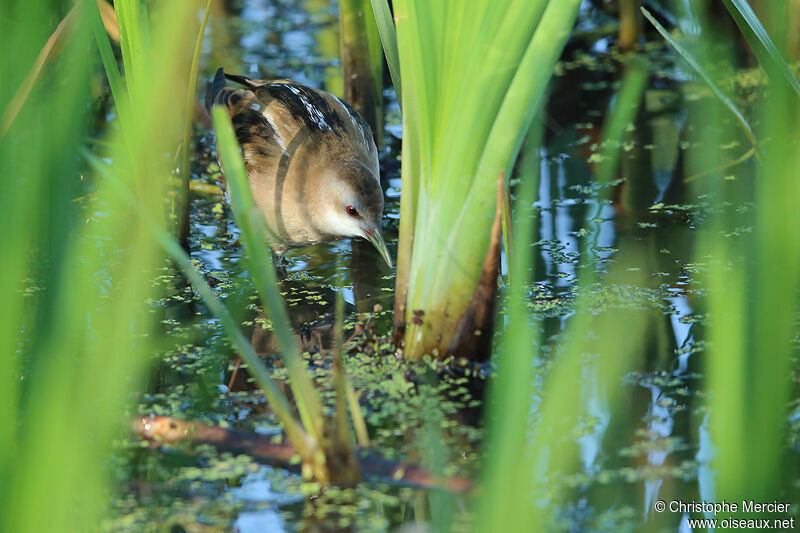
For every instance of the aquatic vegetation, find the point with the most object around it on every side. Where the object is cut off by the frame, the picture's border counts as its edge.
(760, 41)
(83, 338)
(647, 340)
(466, 108)
(751, 327)
(706, 77)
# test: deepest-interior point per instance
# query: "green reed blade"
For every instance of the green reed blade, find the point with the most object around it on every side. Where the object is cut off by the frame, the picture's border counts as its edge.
(84, 338)
(275, 397)
(505, 504)
(254, 236)
(376, 55)
(699, 69)
(760, 41)
(386, 29)
(191, 99)
(752, 281)
(339, 381)
(115, 82)
(471, 78)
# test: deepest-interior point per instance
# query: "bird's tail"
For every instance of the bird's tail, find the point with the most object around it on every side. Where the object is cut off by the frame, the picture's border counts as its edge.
(217, 91)
(250, 83)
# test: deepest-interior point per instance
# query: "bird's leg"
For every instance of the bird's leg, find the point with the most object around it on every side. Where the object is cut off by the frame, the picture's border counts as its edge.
(233, 375)
(280, 264)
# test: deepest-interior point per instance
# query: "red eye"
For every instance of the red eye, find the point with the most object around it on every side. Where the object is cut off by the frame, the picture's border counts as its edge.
(352, 211)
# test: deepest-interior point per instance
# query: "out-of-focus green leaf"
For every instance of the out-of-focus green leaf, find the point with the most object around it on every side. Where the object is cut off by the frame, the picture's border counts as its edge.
(703, 74)
(760, 41)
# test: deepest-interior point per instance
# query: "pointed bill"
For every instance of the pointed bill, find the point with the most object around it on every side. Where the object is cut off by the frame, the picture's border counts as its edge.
(376, 239)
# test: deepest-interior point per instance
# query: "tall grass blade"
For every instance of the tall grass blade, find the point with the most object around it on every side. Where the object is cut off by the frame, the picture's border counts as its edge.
(277, 401)
(191, 98)
(505, 504)
(359, 424)
(519, 106)
(132, 16)
(508, 501)
(376, 61)
(689, 58)
(275, 397)
(524, 94)
(362, 62)
(50, 49)
(111, 68)
(776, 282)
(254, 236)
(87, 340)
(760, 41)
(727, 332)
(471, 79)
(388, 34)
(752, 282)
(610, 340)
(342, 430)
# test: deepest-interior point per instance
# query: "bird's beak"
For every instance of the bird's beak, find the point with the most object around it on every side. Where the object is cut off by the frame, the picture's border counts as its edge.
(376, 239)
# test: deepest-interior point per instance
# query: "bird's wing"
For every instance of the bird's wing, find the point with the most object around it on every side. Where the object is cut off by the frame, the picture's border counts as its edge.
(288, 115)
(331, 123)
(254, 131)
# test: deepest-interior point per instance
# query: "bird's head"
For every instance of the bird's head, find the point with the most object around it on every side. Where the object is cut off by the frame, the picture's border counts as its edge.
(352, 201)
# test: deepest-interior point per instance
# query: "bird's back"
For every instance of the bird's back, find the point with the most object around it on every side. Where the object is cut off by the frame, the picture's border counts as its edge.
(288, 133)
(284, 115)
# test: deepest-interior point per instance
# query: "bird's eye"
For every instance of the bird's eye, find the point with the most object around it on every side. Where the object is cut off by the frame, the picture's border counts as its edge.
(352, 211)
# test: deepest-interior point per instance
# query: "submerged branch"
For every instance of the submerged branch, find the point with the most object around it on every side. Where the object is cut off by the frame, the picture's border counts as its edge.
(168, 430)
(741, 159)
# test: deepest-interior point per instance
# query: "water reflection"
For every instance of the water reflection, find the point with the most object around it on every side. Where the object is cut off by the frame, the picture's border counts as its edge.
(256, 491)
(576, 226)
(659, 426)
(596, 409)
(311, 314)
(684, 337)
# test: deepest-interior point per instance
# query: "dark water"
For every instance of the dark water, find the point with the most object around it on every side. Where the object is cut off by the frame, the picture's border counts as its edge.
(656, 447)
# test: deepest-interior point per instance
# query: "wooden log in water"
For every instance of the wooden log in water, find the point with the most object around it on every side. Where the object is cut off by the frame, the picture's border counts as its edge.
(169, 430)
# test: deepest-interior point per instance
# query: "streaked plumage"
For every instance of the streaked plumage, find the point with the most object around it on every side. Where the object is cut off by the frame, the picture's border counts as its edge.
(310, 159)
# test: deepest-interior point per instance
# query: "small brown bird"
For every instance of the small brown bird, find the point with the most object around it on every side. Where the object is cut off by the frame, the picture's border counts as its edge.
(311, 161)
